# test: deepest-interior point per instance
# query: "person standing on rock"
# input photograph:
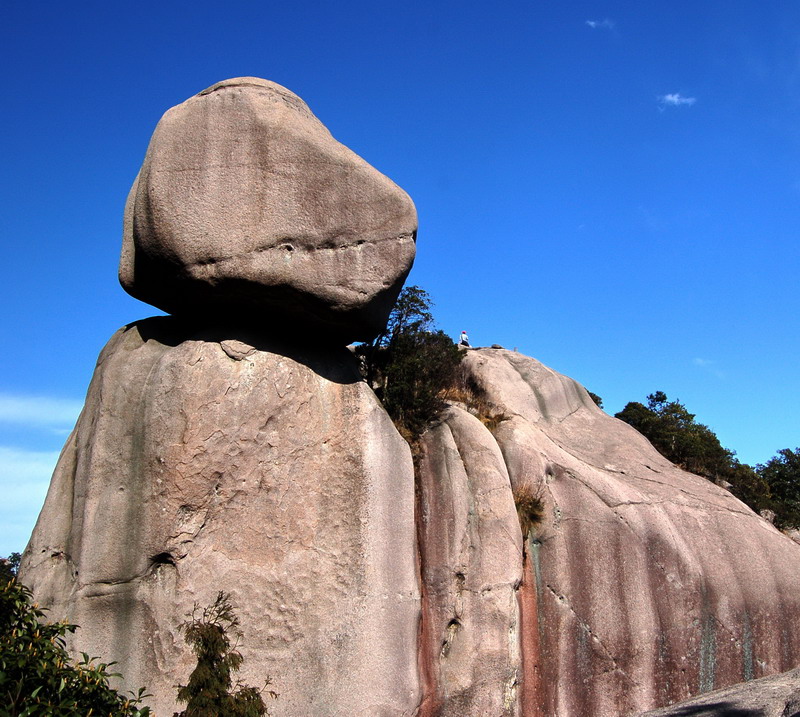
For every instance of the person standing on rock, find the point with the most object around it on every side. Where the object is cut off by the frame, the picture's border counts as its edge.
(464, 340)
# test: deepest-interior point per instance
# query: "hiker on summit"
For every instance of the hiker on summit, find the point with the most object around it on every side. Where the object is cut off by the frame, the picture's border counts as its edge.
(464, 340)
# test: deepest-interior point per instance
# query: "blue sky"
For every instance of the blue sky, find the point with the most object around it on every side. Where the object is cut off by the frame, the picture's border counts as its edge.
(612, 188)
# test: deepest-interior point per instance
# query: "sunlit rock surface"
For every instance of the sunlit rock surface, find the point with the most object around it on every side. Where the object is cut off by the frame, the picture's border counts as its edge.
(246, 206)
(209, 460)
(642, 585)
(471, 562)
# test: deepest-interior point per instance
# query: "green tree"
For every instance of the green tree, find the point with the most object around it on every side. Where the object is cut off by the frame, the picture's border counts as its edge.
(675, 434)
(9, 567)
(420, 365)
(37, 676)
(598, 401)
(209, 691)
(782, 475)
(411, 314)
(410, 363)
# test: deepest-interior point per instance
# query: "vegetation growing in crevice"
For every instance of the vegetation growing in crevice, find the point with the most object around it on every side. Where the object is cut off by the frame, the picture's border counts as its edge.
(530, 507)
(211, 690)
(37, 675)
(410, 363)
(463, 389)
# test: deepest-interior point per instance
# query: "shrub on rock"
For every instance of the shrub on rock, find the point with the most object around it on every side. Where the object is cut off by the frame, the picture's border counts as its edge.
(38, 677)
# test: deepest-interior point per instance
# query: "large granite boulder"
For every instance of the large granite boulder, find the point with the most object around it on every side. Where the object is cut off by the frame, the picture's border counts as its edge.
(247, 209)
(642, 585)
(211, 460)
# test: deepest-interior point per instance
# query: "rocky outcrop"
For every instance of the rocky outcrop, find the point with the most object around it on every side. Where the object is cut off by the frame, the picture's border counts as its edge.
(775, 696)
(643, 584)
(471, 561)
(247, 208)
(233, 446)
(209, 460)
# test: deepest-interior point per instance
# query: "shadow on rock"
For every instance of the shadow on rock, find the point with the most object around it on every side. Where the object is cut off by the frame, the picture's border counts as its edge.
(332, 362)
(715, 709)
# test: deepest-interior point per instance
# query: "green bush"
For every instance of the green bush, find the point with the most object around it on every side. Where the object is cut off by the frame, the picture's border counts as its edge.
(37, 676)
(420, 365)
(675, 434)
(410, 364)
(781, 474)
(208, 694)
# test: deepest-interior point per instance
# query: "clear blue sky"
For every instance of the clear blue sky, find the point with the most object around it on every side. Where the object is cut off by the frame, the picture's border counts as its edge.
(612, 188)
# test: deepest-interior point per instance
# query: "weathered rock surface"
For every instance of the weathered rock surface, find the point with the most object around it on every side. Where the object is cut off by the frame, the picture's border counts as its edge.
(471, 566)
(643, 585)
(774, 696)
(207, 461)
(247, 207)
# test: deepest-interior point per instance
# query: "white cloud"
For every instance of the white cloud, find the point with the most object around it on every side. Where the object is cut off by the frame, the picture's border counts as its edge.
(676, 99)
(605, 24)
(39, 411)
(708, 366)
(24, 478)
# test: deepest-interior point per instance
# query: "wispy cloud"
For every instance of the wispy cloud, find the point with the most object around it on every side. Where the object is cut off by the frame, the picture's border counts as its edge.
(604, 24)
(24, 477)
(676, 99)
(39, 411)
(709, 366)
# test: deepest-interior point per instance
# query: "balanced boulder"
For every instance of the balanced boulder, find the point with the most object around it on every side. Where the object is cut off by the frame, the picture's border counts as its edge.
(248, 210)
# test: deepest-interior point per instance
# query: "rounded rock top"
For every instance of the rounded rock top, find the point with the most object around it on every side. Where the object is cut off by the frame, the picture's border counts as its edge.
(247, 210)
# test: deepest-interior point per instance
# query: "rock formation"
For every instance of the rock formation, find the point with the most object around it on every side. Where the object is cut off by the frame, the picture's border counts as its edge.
(642, 585)
(208, 461)
(233, 446)
(247, 208)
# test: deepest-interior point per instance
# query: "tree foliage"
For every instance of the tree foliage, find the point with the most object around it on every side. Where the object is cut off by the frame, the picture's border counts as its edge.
(211, 690)
(420, 365)
(597, 400)
(694, 447)
(411, 314)
(410, 363)
(37, 676)
(675, 434)
(782, 476)
(9, 567)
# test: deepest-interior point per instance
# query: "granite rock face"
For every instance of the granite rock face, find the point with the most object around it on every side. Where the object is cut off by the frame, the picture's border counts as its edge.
(642, 585)
(471, 565)
(207, 461)
(246, 208)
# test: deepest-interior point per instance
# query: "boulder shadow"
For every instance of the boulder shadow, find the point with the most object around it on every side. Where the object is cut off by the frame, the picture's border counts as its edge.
(715, 709)
(327, 359)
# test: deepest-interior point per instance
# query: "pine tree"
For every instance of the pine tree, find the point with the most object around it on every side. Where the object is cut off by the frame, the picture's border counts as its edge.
(208, 694)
